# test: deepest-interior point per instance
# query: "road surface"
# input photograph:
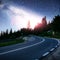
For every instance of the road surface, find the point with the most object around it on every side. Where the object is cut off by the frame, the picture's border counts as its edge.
(31, 50)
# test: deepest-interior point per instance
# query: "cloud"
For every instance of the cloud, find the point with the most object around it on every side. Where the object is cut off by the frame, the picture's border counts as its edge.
(16, 11)
(1, 4)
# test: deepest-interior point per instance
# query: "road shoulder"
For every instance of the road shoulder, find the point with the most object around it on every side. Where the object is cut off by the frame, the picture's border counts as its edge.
(55, 55)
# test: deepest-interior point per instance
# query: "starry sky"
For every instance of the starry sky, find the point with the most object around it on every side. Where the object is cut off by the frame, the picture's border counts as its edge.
(48, 8)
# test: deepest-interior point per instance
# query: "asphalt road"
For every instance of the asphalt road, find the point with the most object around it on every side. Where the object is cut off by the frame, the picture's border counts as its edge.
(30, 50)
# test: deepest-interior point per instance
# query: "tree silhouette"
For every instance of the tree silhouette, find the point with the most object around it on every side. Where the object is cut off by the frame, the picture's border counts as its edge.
(56, 24)
(11, 31)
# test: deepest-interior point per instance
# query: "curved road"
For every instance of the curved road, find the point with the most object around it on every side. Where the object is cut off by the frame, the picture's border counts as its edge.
(30, 50)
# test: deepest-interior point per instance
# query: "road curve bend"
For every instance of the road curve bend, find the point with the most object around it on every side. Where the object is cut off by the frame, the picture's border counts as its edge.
(30, 50)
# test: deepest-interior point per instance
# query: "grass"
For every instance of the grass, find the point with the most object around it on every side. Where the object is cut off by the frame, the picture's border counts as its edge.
(11, 42)
(51, 36)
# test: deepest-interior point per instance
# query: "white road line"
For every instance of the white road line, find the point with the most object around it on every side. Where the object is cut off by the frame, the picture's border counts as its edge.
(52, 49)
(36, 59)
(45, 53)
(56, 46)
(22, 48)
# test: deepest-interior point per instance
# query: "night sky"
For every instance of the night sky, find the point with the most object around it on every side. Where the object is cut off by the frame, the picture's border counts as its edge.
(48, 8)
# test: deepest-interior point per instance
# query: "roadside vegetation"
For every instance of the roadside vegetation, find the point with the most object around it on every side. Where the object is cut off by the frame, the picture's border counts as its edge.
(15, 41)
(52, 29)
